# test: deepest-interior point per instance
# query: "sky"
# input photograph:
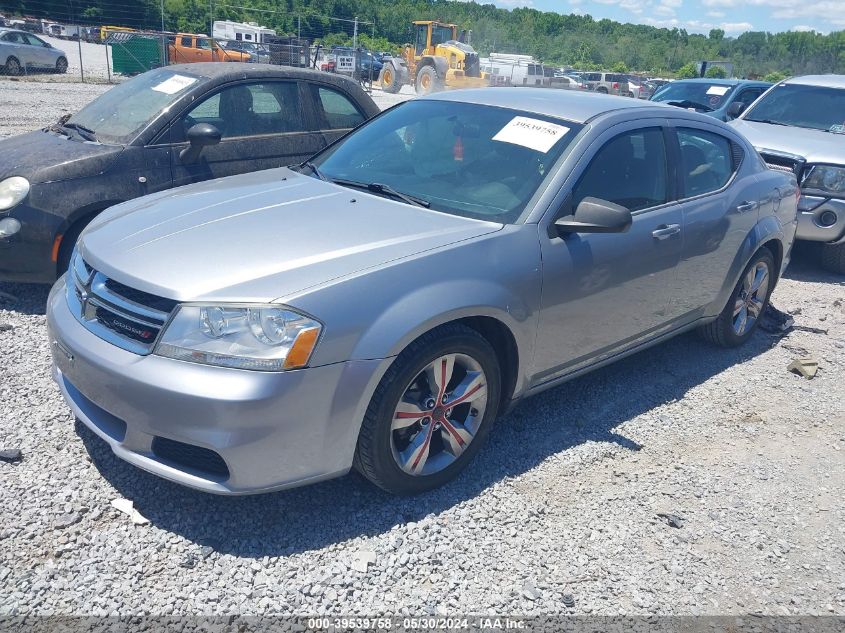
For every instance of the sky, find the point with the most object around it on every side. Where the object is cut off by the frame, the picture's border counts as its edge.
(699, 16)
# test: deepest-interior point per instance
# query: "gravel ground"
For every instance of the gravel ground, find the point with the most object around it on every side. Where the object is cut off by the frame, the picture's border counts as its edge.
(557, 515)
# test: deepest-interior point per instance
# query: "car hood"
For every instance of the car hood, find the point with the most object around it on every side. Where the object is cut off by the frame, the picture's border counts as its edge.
(47, 156)
(260, 237)
(814, 145)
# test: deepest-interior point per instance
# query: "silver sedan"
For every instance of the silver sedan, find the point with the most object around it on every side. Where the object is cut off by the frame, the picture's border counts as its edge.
(380, 305)
(21, 51)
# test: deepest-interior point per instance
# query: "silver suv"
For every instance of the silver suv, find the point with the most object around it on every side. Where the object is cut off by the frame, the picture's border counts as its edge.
(798, 126)
(380, 305)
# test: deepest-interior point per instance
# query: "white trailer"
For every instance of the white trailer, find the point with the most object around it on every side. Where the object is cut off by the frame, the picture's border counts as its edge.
(513, 70)
(240, 31)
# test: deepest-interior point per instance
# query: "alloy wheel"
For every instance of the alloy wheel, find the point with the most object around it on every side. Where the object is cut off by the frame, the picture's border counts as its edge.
(751, 298)
(439, 414)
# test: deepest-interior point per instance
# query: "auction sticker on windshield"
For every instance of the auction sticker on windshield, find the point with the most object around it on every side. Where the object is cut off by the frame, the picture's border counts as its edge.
(718, 90)
(531, 133)
(174, 84)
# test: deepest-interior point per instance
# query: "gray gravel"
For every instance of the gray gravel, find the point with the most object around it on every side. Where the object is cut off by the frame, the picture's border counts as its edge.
(559, 514)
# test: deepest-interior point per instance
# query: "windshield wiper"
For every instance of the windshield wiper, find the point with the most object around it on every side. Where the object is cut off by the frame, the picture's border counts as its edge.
(377, 187)
(86, 133)
(686, 103)
(770, 122)
(58, 129)
(314, 169)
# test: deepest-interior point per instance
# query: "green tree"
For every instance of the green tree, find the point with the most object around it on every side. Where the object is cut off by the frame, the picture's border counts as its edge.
(620, 67)
(715, 72)
(775, 77)
(687, 71)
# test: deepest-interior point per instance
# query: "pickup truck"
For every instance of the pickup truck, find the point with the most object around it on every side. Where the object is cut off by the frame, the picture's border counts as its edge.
(185, 48)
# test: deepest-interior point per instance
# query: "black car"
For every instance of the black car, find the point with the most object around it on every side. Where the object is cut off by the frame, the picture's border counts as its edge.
(168, 127)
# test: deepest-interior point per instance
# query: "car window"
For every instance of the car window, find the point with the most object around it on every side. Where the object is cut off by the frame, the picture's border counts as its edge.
(14, 37)
(706, 163)
(630, 170)
(247, 110)
(204, 43)
(34, 41)
(749, 95)
(338, 111)
(187, 41)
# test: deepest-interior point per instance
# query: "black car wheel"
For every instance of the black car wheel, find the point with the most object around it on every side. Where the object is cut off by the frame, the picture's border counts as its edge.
(833, 258)
(13, 67)
(738, 320)
(431, 411)
(61, 66)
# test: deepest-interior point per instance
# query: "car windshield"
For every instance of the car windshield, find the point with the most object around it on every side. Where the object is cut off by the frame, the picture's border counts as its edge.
(698, 95)
(120, 114)
(813, 107)
(466, 159)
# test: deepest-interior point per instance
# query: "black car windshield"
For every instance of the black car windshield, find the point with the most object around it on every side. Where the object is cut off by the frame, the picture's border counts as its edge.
(699, 95)
(118, 115)
(813, 107)
(466, 159)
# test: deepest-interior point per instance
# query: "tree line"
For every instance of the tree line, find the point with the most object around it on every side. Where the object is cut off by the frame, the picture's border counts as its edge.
(575, 40)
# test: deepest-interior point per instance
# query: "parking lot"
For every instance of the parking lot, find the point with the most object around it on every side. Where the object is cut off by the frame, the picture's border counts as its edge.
(559, 514)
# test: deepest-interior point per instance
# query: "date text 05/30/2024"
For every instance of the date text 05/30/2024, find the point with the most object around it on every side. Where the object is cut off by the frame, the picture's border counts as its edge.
(418, 624)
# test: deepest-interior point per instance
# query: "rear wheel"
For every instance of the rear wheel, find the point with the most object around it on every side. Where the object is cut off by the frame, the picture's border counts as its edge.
(602, 90)
(737, 322)
(13, 67)
(431, 412)
(428, 81)
(61, 66)
(833, 258)
(390, 79)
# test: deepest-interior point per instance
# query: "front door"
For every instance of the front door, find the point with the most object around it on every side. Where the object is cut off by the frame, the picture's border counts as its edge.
(262, 126)
(605, 292)
(335, 111)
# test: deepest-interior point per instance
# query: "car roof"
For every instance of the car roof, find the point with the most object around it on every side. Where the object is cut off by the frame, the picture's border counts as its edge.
(571, 105)
(714, 81)
(827, 81)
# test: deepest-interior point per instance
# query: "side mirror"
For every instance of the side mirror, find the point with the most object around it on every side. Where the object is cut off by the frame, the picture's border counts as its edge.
(199, 136)
(735, 109)
(594, 215)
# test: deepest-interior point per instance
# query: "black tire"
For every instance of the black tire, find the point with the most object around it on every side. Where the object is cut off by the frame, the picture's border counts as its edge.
(13, 67)
(374, 454)
(428, 81)
(721, 331)
(61, 66)
(389, 79)
(602, 90)
(68, 242)
(833, 258)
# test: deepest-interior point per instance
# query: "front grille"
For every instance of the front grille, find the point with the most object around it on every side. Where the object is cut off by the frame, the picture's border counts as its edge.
(192, 457)
(126, 317)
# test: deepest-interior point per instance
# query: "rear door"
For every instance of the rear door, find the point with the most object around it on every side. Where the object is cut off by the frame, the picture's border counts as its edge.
(14, 46)
(720, 203)
(262, 126)
(336, 113)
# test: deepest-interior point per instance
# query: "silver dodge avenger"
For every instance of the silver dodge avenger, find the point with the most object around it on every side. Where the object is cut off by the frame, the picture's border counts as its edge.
(381, 304)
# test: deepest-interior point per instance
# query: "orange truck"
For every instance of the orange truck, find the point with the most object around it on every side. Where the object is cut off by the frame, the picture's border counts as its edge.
(186, 48)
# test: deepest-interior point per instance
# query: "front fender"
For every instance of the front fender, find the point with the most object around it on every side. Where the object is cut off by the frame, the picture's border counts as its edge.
(767, 229)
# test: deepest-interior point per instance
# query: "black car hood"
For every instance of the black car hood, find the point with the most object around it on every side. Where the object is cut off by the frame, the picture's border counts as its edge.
(48, 156)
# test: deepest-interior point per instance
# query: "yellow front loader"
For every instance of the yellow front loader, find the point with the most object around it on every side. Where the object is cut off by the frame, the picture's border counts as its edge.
(437, 60)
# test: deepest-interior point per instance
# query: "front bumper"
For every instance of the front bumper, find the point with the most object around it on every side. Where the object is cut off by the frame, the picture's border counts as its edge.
(26, 256)
(812, 213)
(273, 430)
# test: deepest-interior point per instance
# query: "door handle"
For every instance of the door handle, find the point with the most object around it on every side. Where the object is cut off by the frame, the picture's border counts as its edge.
(665, 231)
(746, 206)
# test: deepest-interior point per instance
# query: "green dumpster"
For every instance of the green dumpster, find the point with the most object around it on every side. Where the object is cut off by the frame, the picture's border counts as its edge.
(134, 53)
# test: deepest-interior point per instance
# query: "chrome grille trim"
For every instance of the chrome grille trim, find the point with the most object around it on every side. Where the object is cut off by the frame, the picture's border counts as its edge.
(89, 299)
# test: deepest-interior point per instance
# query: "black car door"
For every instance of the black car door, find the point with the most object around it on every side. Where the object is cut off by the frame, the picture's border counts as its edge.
(263, 124)
(336, 112)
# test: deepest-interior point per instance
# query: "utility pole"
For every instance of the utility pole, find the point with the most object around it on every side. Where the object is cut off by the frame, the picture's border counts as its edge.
(162, 16)
(211, 21)
(298, 28)
(355, 35)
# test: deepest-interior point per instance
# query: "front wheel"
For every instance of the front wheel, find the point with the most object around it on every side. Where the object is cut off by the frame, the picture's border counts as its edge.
(61, 66)
(431, 411)
(738, 320)
(833, 258)
(428, 81)
(390, 79)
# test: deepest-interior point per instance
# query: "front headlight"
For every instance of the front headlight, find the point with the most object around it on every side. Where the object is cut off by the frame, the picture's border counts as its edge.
(827, 179)
(264, 338)
(12, 191)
